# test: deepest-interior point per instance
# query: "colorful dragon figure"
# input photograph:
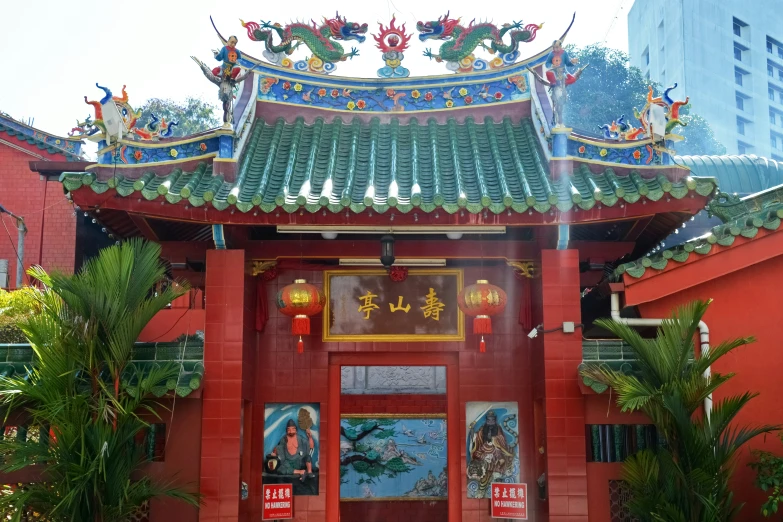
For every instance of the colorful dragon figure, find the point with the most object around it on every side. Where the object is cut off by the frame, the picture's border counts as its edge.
(462, 41)
(155, 128)
(321, 40)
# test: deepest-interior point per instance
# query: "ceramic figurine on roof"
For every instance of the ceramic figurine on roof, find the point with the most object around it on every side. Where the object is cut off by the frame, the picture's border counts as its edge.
(229, 55)
(392, 41)
(457, 52)
(114, 118)
(321, 40)
(155, 128)
(227, 81)
(557, 78)
(620, 130)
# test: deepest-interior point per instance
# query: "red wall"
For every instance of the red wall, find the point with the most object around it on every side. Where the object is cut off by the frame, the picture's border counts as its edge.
(745, 303)
(51, 225)
(394, 511)
(503, 373)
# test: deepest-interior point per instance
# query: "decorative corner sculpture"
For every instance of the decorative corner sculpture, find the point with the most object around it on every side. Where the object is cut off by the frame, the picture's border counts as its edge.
(557, 78)
(619, 130)
(321, 40)
(227, 77)
(392, 41)
(113, 118)
(462, 41)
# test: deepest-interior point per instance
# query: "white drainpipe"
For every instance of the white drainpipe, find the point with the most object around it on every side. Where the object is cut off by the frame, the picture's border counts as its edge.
(704, 337)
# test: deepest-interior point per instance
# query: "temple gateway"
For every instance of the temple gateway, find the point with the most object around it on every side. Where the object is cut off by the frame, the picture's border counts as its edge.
(395, 278)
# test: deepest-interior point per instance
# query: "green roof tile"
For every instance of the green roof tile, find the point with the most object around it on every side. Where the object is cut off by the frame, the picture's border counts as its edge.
(475, 166)
(741, 217)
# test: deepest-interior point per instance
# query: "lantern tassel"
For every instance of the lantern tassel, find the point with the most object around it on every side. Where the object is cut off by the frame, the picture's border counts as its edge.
(482, 345)
(300, 345)
(482, 324)
(300, 325)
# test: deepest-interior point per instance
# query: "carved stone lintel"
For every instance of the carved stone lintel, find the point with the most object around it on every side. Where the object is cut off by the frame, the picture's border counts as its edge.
(524, 268)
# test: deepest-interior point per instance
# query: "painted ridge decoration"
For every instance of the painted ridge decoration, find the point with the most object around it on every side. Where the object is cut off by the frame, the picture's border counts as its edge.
(103, 125)
(762, 214)
(128, 153)
(620, 130)
(392, 41)
(461, 42)
(53, 144)
(625, 153)
(379, 99)
(321, 40)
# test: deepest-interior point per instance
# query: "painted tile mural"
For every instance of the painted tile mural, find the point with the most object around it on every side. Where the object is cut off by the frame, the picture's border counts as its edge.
(385, 457)
(492, 445)
(291, 446)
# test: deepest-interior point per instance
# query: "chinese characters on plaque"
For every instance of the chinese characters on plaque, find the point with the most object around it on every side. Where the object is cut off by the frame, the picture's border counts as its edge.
(366, 305)
(278, 502)
(509, 501)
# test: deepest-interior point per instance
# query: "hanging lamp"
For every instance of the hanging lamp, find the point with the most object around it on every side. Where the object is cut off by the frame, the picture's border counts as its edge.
(481, 301)
(299, 301)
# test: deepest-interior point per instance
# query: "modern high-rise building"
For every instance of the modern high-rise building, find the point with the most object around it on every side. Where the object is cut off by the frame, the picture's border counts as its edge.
(726, 55)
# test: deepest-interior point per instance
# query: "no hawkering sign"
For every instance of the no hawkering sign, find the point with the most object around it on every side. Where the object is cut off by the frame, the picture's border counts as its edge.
(278, 502)
(509, 501)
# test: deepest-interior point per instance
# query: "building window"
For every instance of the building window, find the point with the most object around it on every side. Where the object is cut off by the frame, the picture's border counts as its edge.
(769, 46)
(740, 101)
(780, 51)
(737, 52)
(772, 118)
(771, 93)
(773, 141)
(738, 77)
(646, 57)
(740, 126)
(741, 149)
(770, 71)
(780, 74)
(740, 28)
(777, 158)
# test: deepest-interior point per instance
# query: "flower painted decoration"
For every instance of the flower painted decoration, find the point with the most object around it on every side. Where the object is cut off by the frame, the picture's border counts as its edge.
(335, 93)
(603, 152)
(286, 85)
(321, 92)
(202, 146)
(298, 87)
(137, 155)
(361, 104)
(428, 96)
(173, 153)
(582, 149)
(637, 154)
(351, 105)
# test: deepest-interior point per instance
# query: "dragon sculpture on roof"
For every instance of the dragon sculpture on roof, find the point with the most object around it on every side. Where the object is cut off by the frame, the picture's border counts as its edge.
(463, 41)
(320, 39)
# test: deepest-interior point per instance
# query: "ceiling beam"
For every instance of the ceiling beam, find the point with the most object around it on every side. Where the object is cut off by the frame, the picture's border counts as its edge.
(144, 227)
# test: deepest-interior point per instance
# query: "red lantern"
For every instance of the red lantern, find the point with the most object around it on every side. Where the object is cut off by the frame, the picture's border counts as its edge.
(481, 301)
(300, 300)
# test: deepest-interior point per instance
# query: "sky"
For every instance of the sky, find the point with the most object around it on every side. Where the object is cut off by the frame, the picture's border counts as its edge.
(53, 52)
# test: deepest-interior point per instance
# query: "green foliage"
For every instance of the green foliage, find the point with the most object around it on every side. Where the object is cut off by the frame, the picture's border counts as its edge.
(372, 455)
(192, 116)
(384, 434)
(361, 448)
(354, 421)
(83, 338)
(361, 466)
(611, 88)
(686, 480)
(397, 465)
(375, 470)
(769, 478)
(14, 307)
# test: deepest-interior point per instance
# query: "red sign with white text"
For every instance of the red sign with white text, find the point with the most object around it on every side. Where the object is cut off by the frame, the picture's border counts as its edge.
(509, 501)
(278, 502)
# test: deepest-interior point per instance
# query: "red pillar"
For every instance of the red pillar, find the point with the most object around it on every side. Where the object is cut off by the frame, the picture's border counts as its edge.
(564, 403)
(222, 393)
(454, 442)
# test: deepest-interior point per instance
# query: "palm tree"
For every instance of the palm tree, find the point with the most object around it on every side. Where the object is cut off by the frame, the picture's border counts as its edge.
(83, 390)
(687, 478)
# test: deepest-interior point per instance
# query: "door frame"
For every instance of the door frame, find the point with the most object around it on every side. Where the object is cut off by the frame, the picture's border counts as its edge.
(454, 464)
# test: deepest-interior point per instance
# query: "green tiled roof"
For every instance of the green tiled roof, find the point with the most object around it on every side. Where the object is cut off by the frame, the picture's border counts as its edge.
(612, 353)
(16, 359)
(742, 218)
(358, 166)
(745, 174)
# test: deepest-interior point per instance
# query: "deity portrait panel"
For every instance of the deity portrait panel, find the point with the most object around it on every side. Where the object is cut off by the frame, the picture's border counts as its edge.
(292, 445)
(492, 445)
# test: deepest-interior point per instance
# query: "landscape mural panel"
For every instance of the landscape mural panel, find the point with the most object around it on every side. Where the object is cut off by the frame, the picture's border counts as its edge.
(390, 457)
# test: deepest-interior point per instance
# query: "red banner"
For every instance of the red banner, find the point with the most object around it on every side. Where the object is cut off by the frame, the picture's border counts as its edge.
(509, 501)
(278, 502)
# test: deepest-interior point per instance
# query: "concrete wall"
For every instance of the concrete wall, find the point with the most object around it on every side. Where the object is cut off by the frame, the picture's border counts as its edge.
(698, 53)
